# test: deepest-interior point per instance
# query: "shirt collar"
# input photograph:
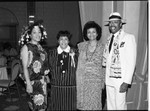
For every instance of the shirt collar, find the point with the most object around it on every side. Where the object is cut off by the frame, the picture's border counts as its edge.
(60, 50)
(116, 33)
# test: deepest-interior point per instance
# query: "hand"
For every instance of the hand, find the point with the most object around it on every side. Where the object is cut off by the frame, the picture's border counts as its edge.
(29, 88)
(47, 79)
(123, 87)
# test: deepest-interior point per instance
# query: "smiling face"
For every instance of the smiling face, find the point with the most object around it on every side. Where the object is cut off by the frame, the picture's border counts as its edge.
(63, 42)
(92, 33)
(36, 34)
(115, 26)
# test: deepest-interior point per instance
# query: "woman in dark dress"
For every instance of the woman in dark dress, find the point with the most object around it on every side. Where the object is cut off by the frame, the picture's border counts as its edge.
(35, 67)
(63, 61)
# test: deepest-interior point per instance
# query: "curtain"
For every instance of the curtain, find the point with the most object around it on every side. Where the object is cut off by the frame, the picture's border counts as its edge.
(91, 11)
(141, 73)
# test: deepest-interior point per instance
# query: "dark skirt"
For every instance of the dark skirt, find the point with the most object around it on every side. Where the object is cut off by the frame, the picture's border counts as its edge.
(63, 98)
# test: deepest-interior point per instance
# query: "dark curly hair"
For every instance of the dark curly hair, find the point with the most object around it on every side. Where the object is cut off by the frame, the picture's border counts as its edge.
(36, 24)
(27, 30)
(64, 33)
(92, 24)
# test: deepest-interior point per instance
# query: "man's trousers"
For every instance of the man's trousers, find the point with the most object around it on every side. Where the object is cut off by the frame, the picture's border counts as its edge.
(115, 99)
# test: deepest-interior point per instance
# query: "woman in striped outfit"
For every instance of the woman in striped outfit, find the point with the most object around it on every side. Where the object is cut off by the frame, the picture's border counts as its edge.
(63, 61)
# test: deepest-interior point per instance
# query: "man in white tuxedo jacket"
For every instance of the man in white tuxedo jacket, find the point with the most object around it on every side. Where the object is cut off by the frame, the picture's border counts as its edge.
(119, 59)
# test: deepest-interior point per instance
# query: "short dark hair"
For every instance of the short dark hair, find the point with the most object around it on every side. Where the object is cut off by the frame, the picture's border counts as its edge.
(92, 24)
(64, 33)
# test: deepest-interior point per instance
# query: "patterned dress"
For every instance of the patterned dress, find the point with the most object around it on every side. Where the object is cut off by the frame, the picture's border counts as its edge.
(37, 68)
(90, 77)
(63, 80)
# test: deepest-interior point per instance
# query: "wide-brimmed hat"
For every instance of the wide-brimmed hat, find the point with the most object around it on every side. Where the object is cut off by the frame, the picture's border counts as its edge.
(115, 16)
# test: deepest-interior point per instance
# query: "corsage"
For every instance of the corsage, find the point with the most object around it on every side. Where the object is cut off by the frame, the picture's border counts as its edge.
(71, 53)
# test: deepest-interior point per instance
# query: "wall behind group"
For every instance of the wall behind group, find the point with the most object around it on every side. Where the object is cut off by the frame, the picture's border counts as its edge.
(60, 16)
(13, 13)
(57, 16)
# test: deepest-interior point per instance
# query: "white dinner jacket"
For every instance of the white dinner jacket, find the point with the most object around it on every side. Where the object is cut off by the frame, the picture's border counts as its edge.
(127, 51)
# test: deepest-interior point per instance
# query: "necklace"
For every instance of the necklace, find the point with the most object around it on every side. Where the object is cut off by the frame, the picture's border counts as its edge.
(89, 54)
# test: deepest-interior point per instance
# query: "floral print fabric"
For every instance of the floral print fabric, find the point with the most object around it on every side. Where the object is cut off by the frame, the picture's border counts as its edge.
(37, 68)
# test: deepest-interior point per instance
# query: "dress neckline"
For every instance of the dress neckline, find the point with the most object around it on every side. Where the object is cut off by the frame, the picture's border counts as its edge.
(91, 53)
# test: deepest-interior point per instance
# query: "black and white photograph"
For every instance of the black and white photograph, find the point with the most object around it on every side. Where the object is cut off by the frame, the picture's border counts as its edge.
(74, 55)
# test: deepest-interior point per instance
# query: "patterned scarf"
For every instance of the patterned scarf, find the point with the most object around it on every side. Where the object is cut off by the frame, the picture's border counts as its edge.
(115, 68)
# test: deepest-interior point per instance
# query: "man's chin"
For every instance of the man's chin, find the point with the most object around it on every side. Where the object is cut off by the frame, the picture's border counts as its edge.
(113, 31)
